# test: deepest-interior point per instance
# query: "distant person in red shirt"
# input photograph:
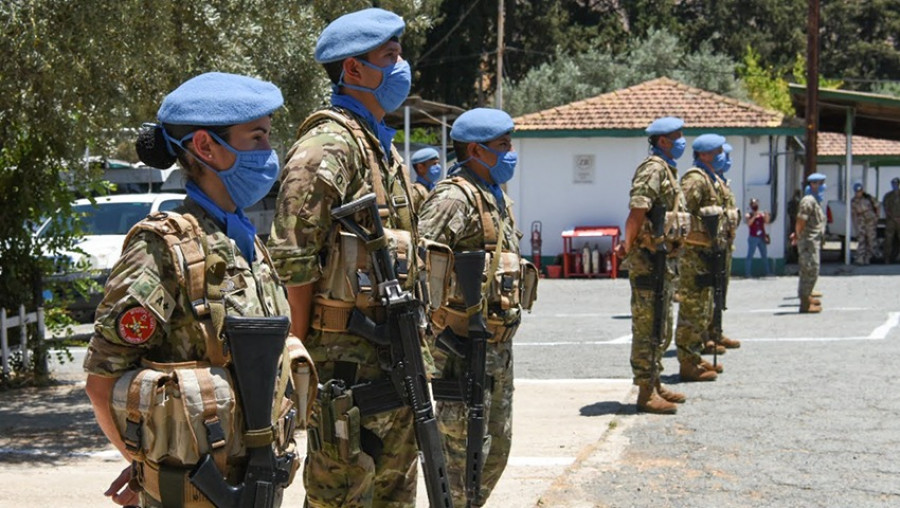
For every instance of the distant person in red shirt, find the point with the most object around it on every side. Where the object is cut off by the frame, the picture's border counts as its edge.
(758, 238)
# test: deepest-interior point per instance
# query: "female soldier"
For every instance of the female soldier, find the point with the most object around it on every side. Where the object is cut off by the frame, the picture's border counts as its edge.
(165, 301)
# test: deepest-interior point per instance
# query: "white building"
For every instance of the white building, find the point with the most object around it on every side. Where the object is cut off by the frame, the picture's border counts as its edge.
(576, 161)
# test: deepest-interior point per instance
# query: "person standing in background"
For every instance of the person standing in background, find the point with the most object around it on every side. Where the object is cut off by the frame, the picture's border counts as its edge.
(865, 219)
(426, 163)
(757, 239)
(891, 203)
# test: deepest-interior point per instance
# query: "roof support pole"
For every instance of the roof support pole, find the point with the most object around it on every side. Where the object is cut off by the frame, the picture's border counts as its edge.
(812, 87)
(848, 164)
(444, 143)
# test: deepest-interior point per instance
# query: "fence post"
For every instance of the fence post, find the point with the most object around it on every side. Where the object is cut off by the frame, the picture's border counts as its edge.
(23, 336)
(40, 349)
(4, 344)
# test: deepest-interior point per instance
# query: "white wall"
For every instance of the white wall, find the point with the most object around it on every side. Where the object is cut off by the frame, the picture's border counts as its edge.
(544, 188)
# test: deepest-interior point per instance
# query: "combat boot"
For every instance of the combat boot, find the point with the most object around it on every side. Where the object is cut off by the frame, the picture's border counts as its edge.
(712, 348)
(708, 366)
(815, 301)
(650, 402)
(816, 294)
(670, 395)
(729, 343)
(692, 372)
(808, 307)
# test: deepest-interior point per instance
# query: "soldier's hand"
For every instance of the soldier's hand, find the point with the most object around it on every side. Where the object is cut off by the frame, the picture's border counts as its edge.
(793, 239)
(120, 492)
(620, 251)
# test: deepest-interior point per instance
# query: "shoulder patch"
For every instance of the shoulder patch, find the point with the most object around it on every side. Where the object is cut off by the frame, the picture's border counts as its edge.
(136, 325)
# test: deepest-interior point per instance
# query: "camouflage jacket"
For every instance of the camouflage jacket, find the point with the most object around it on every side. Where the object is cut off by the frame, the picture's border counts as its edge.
(450, 216)
(419, 193)
(700, 191)
(892, 205)
(812, 213)
(146, 313)
(655, 182)
(864, 210)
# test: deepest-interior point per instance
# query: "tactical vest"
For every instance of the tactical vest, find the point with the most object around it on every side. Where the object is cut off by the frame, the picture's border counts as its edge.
(698, 235)
(171, 414)
(510, 281)
(348, 277)
(732, 214)
(677, 221)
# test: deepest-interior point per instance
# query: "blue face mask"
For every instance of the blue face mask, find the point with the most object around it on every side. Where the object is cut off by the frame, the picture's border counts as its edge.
(727, 164)
(251, 176)
(434, 173)
(505, 168)
(678, 147)
(396, 80)
(718, 163)
(895, 186)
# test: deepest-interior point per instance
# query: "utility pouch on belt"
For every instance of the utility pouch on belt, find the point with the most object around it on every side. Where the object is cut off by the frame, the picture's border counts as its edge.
(305, 380)
(438, 265)
(175, 413)
(699, 236)
(340, 425)
(530, 278)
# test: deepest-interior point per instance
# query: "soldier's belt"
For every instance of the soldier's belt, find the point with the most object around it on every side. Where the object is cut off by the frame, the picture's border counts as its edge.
(459, 323)
(333, 315)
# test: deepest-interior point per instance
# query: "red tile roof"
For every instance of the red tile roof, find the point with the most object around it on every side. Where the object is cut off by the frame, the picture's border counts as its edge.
(636, 106)
(835, 144)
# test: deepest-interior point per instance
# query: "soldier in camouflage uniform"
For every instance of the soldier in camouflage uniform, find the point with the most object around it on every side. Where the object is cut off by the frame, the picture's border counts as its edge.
(343, 153)
(149, 311)
(865, 219)
(428, 172)
(808, 235)
(704, 196)
(455, 213)
(733, 216)
(891, 203)
(655, 183)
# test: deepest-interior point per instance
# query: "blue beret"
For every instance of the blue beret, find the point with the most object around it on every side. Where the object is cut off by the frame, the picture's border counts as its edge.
(664, 125)
(707, 142)
(857, 186)
(816, 177)
(357, 33)
(481, 125)
(217, 98)
(425, 154)
(726, 148)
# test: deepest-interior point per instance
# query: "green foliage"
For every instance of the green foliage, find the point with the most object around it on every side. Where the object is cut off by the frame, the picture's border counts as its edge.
(887, 88)
(799, 74)
(764, 85)
(568, 78)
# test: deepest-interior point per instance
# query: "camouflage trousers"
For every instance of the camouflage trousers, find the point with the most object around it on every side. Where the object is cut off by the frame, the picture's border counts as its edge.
(643, 354)
(498, 398)
(865, 246)
(808, 257)
(696, 307)
(360, 462)
(891, 239)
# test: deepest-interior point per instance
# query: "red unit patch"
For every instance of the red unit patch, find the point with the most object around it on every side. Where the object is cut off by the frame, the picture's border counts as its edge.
(136, 325)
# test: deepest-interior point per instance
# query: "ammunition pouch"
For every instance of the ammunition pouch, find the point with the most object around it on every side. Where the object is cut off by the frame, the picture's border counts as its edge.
(504, 291)
(338, 429)
(734, 220)
(334, 315)
(348, 275)
(458, 321)
(305, 382)
(438, 265)
(677, 228)
(530, 278)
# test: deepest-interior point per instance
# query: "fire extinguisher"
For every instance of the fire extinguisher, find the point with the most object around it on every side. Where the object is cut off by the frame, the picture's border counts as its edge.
(586, 258)
(578, 263)
(536, 244)
(595, 259)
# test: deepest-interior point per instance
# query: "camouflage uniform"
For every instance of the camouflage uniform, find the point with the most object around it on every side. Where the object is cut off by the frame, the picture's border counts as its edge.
(891, 225)
(145, 278)
(450, 216)
(696, 308)
(654, 182)
(419, 193)
(730, 230)
(327, 166)
(809, 244)
(865, 219)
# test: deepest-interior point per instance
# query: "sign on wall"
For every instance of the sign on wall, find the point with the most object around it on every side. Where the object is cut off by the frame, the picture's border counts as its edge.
(584, 169)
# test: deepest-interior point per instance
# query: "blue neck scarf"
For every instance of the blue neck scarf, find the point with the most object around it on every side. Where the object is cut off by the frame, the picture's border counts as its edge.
(428, 185)
(384, 133)
(700, 164)
(237, 226)
(669, 160)
(495, 190)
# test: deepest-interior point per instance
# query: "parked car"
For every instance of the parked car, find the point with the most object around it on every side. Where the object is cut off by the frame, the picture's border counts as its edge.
(105, 225)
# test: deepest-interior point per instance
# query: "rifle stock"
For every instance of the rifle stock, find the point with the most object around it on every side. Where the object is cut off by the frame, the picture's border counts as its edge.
(401, 334)
(256, 345)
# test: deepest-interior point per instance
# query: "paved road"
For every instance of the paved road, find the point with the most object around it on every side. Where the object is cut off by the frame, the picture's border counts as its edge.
(804, 415)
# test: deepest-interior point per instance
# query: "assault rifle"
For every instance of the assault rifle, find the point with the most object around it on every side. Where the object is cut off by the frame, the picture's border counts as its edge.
(256, 345)
(657, 217)
(472, 347)
(716, 278)
(408, 384)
